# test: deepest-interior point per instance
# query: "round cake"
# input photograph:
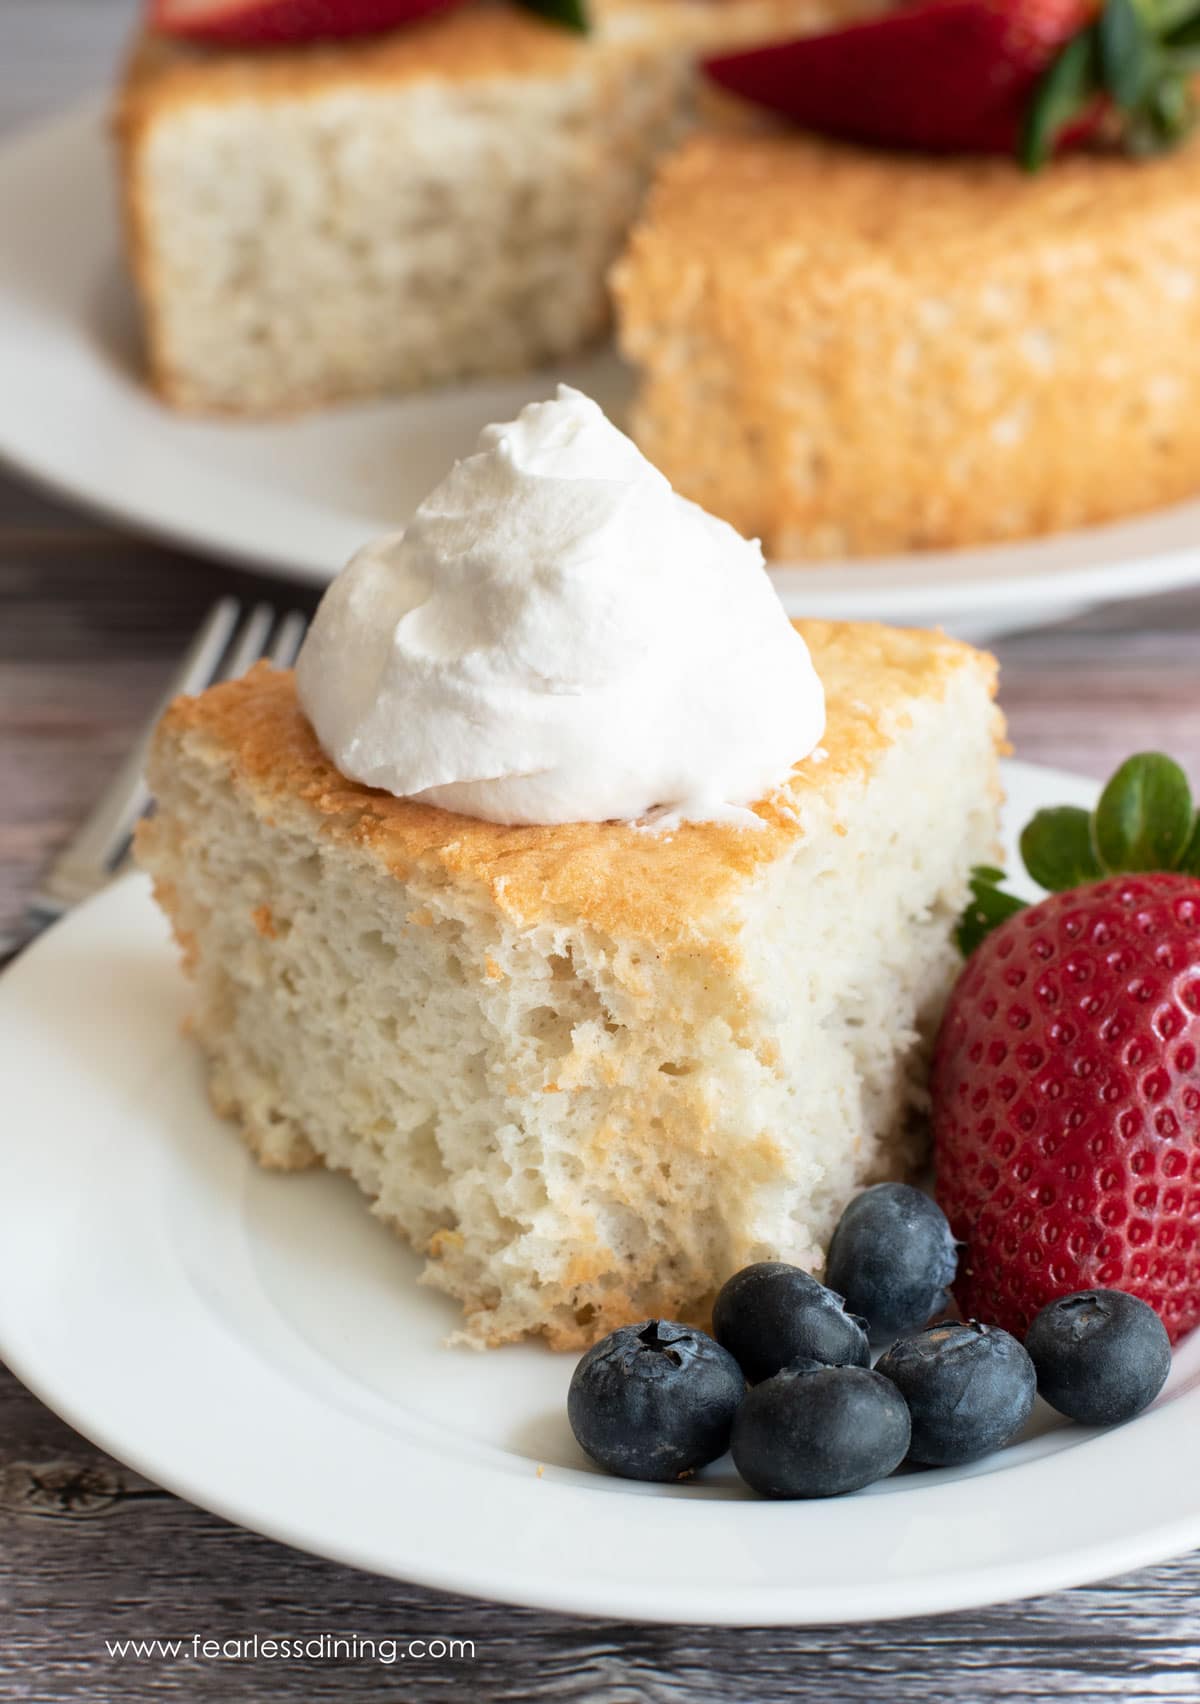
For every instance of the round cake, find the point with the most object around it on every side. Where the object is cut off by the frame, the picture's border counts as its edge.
(849, 352)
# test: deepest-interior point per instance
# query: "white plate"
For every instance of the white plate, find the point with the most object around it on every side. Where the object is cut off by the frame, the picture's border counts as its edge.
(296, 498)
(258, 1344)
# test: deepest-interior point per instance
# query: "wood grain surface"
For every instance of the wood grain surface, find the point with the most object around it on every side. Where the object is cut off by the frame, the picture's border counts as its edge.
(90, 624)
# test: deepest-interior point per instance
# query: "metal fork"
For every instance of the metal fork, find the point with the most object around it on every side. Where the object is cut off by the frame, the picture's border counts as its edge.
(229, 642)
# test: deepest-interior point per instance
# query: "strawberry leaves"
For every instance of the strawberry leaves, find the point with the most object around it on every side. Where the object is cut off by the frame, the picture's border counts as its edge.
(1057, 850)
(1144, 818)
(989, 906)
(1136, 58)
(1063, 96)
(571, 14)
(1124, 57)
(1190, 861)
(1144, 821)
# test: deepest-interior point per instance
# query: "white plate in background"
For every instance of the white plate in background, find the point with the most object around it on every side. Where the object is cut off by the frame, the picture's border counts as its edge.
(257, 1343)
(297, 497)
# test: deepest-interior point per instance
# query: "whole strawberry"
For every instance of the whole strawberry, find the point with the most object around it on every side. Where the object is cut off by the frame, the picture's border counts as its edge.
(984, 76)
(1066, 1076)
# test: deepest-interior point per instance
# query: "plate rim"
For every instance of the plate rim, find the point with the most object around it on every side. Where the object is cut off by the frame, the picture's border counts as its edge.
(960, 583)
(748, 1603)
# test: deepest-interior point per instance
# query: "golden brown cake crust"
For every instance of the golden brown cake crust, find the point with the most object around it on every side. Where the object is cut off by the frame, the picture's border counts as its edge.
(616, 878)
(891, 352)
(858, 207)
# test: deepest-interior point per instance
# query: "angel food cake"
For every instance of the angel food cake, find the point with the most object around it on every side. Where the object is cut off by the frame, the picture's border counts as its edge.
(891, 318)
(314, 221)
(590, 915)
(851, 352)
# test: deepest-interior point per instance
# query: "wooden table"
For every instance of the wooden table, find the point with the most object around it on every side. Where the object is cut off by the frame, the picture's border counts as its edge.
(90, 622)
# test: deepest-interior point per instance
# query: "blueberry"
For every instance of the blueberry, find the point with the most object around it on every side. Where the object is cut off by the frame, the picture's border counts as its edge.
(893, 1257)
(655, 1400)
(969, 1389)
(1101, 1355)
(772, 1314)
(818, 1431)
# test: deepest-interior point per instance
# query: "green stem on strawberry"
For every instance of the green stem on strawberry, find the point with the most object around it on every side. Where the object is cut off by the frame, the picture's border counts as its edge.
(1057, 849)
(1062, 97)
(571, 14)
(1138, 59)
(1190, 862)
(1144, 820)
(1174, 15)
(989, 905)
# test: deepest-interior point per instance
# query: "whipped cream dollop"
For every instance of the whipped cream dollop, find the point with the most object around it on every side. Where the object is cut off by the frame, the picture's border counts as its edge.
(558, 637)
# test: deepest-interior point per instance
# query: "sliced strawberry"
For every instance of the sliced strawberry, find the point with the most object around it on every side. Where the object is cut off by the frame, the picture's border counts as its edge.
(265, 23)
(941, 75)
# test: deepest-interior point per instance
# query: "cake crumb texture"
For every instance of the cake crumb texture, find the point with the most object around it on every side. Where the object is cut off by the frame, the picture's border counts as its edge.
(587, 1071)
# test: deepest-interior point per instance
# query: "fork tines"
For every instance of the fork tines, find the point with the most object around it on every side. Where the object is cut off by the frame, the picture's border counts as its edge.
(229, 642)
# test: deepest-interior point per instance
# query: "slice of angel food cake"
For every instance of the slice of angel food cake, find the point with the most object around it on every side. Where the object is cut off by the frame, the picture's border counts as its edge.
(314, 214)
(590, 914)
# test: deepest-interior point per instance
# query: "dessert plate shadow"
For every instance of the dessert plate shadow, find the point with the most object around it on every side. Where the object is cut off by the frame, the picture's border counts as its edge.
(297, 497)
(257, 1343)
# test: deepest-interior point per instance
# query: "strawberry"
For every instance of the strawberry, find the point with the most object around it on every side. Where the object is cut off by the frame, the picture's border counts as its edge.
(983, 76)
(1066, 1074)
(265, 23)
